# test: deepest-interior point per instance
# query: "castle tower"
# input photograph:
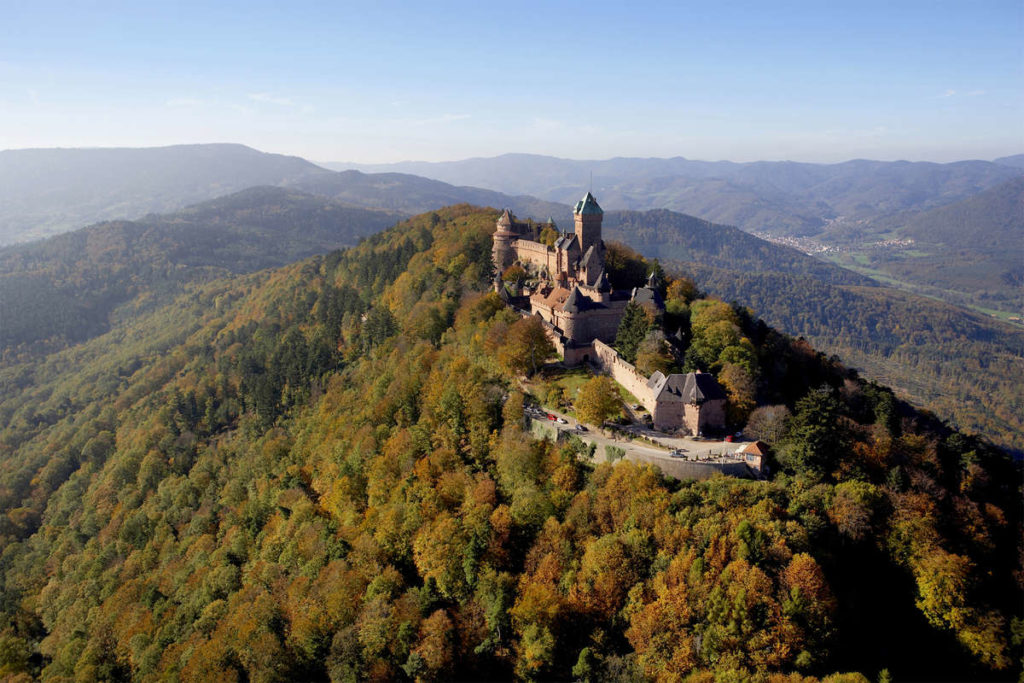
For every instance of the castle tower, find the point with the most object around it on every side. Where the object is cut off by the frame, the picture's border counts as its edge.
(587, 217)
(501, 251)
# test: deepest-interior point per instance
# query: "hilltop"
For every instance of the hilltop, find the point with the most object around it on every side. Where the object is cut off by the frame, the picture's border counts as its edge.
(919, 345)
(320, 471)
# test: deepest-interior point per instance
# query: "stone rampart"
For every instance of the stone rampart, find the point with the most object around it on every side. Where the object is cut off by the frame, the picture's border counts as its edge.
(609, 360)
(684, 469)
(528, 251)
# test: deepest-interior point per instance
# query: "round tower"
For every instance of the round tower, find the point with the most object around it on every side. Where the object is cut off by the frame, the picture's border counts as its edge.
(501, 252)
(568, 325)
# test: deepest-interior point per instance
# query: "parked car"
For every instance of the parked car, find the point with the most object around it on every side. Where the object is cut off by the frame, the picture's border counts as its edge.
(552, 417)
(562, 421)
(729, 438)
(580, 428)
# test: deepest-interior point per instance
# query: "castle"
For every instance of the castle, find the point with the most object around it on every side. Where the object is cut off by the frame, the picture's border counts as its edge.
(581, 313)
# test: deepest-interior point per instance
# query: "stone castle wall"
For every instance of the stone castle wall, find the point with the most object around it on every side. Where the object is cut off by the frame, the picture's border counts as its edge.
(609, 360)
(535, 253)
(666, 415)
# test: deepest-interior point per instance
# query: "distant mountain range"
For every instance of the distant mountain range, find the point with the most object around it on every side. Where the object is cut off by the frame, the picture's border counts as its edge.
(784, 198)
(44, 192)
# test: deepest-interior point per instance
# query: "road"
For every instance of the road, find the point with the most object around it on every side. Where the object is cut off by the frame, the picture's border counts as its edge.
(693, 450)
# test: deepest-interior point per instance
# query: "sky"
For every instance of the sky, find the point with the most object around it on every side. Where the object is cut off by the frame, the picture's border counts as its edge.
(378, 82)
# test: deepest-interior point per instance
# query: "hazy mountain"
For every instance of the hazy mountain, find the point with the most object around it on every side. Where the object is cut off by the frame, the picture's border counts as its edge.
(48, 191)
(72, 286)
(414, 194)
(784, 197)
(538, 175)
(1017, 161)
(990, 220)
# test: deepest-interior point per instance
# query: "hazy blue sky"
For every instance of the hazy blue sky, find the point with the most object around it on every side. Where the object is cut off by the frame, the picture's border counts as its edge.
(381, 81)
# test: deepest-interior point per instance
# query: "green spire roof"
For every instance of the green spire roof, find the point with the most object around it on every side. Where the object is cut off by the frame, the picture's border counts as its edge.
(588, 205)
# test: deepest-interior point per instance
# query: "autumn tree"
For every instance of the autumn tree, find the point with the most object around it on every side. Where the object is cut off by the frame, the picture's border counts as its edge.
(741, 390)
(598, 400)
(514, 274)
(526, 347)
(548, 235)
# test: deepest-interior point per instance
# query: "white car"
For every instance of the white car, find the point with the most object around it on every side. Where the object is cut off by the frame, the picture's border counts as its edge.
(562, 421)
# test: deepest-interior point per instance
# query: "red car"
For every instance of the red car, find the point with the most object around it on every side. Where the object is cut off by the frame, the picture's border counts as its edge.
(552, 417)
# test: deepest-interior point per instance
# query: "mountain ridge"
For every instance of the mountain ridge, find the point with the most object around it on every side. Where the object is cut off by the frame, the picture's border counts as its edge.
(48, 191)
(825, 191)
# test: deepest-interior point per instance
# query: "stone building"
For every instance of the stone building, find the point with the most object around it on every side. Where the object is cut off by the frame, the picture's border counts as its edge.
(581, 312)
(573, 293)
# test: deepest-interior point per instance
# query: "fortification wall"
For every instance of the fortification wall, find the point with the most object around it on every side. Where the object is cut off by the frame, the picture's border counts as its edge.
(535, 253)
(609, 360)
(603, 324)
(683, 469)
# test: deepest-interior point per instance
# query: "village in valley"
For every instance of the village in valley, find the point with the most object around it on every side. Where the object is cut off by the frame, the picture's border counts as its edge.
(676, 421)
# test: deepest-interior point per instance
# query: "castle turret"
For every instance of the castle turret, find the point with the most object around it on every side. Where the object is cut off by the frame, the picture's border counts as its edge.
(587, 216)
(604, 288)
(501, 251)
(573, 306)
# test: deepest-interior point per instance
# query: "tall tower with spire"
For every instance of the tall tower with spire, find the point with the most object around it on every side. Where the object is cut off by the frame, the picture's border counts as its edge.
(587, 216)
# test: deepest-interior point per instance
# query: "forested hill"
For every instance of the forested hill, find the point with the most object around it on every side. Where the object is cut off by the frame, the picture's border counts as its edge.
(969, 252)
(413, 194)
(991, 220)
(667, 235)
(48, 191)
(71, 287)
(319, 472)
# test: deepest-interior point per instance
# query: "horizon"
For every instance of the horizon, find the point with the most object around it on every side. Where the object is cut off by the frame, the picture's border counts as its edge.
(322, 162)
(343, 83)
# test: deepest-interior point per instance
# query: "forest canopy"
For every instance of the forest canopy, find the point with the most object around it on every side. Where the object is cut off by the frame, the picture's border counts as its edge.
(321, 472)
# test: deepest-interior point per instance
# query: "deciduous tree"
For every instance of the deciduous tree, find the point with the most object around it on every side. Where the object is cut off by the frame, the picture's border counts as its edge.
(598, 400)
